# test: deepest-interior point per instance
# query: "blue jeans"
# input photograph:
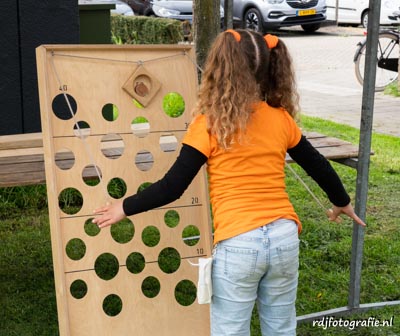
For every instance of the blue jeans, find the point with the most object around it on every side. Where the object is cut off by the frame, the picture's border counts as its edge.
(257, 266)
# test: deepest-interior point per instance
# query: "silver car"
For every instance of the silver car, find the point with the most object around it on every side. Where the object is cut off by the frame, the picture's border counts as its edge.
(263, 15)
(176, 9)
(173, 9)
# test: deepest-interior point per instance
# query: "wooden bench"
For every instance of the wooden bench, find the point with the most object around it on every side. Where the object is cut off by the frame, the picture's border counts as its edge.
(22, 162)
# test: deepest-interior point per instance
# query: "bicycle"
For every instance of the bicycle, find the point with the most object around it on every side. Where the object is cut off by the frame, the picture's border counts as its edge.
(387, 69)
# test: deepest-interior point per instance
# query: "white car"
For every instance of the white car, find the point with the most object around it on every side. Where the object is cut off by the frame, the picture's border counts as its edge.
(356, 11)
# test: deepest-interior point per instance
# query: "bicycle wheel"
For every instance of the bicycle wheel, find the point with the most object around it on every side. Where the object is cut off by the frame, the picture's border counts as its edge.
(387, 61)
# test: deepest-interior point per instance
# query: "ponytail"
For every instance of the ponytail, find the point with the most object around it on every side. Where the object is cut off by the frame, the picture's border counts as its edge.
(281, 84)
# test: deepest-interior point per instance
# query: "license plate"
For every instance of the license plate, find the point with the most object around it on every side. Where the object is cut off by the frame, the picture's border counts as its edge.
(306, 12)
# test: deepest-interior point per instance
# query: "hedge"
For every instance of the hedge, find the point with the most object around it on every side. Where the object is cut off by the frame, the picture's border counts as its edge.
(145, 30)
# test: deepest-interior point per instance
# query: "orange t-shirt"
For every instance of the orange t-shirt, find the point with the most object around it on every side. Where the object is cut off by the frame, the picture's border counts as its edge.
(247, 181)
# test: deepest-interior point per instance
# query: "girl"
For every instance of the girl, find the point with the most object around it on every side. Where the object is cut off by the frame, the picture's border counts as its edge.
(244, 124)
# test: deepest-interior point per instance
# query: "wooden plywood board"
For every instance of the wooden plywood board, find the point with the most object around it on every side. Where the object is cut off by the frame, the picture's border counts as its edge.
(132, 278)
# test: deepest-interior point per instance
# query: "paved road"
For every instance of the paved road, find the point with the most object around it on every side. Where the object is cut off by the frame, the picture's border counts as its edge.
(326, 80)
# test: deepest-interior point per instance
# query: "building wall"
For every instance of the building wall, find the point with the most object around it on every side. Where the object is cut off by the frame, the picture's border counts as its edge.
(24, 25)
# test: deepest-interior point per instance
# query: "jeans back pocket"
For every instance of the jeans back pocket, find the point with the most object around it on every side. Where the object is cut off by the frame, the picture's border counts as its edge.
(289, 258)
(240, 263)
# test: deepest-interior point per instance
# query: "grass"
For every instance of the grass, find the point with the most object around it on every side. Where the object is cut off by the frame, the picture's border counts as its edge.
(392, 89)
(27, 297)
(326, 247)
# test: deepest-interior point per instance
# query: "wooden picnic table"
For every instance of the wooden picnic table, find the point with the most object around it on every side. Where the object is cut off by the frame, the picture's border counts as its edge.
(22, 161)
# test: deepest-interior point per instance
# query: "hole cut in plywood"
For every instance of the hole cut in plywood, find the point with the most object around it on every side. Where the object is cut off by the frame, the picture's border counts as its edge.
(142, 85)
(103, 142)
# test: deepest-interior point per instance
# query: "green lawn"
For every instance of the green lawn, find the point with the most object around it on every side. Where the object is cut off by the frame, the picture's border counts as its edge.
(326, 247)
(27, 297)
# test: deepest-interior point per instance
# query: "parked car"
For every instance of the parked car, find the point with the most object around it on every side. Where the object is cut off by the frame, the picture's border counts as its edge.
(259, 15)
(176, 9)
(263, 15)
(356, 11)
(121, 7)
(141, 7)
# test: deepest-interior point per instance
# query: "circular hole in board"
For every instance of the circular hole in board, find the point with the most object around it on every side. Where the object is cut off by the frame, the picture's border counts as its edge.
(116, 188)
(143, 186)
(60, 106)
(137, 104)
(112, 305)
(142, 85)
(110, 112)
(144, 160)
(82, 129)
(135, 263)
(169, 260)
(91, 175)
(112, 146)
(106, 266)
(140, 127)
(151, 287)
(191, 235)
(185, 292)
(91, 228)
(75, 249)
(151, 236)
(168, 143)
(171, 218)
(70, 201)
(173, 104)
(64, 159)
(123, 231)
(78, 289)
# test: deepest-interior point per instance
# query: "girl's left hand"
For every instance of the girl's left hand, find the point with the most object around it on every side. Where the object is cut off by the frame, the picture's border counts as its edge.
(109, 214)
(346, 210)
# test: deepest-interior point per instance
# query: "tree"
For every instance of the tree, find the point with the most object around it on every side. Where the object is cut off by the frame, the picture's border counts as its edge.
(206, 26)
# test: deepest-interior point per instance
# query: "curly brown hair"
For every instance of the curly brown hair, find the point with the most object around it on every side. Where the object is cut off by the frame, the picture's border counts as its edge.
(237, 75)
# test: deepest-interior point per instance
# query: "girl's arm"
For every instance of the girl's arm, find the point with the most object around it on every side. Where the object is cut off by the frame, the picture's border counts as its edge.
(168, 189)
(319, 168)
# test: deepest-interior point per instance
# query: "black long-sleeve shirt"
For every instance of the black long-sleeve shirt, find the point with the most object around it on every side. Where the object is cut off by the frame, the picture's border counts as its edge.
(190, 160)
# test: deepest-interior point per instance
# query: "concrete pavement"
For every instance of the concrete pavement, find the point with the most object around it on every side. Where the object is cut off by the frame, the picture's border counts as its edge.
(327, 83)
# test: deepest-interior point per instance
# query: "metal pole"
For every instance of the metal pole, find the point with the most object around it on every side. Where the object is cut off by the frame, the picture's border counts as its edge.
(228, 14)
(364, 151)
(398, 78)
(337, 12)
